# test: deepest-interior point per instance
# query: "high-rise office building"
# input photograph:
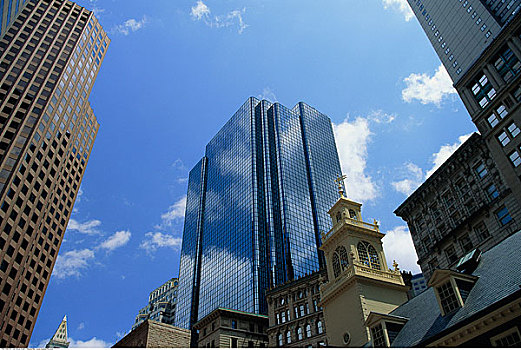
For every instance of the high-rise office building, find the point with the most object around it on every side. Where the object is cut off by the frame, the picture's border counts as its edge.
(8, 11)
(49, 59)
(256, 205)
(161, 304)
(460, 30)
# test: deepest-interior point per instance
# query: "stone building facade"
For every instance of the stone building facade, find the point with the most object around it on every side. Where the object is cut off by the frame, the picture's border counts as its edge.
(465, 204)
(152, 334)
(491, 92)
(295, 315)
(225, 328)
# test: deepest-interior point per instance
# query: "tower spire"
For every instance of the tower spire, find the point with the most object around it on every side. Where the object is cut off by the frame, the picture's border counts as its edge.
(340, 183)
(59, 339)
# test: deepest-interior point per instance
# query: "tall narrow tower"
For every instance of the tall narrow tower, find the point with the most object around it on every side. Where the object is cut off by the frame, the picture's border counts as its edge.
(59, 339)
(49, 59)
(359, 281)
(256, 205)
(460, 31)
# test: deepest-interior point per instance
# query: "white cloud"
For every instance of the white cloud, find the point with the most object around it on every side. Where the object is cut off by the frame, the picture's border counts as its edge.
(400, 5)
(428, 89)
(131, 25)
(202, 12)
(72, 263)
(182, 180)
(87, 227)
(413, 176)
(179, 165)
(175, 212)
(267, 94)
(351, 140)
(380, 117)
(445, 152)
(157, 240)
(398, 246)
(117, 240)
(81, 326)
(91, 343)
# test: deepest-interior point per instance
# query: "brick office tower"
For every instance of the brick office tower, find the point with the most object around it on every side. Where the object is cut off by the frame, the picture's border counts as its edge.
(49, 59)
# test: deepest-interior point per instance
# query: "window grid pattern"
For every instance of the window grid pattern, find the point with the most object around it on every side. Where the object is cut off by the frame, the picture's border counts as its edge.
(448, 299)
(378, 336)
(41, 165)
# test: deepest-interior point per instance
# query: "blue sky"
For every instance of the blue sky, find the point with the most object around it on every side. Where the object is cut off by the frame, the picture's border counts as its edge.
(176, 71)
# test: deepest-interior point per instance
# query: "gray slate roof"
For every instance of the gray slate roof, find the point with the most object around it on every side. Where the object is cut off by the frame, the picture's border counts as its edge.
(499, 273)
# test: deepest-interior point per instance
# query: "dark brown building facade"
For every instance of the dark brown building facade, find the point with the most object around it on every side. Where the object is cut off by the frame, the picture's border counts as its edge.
(465, 204)
(295, 315)
(49, 59)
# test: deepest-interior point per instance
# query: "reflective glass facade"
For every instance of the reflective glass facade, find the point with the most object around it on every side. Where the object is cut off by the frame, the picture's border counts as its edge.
(256, 205)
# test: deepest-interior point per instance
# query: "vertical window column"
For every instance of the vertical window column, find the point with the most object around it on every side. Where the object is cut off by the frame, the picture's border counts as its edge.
(514, 44)
(495, 79)
(469, 101)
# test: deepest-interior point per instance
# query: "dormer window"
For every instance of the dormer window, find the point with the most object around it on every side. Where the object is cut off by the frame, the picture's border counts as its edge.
(384, 328)
(352, 214)
(452, 289)
(338, 217)
(368, 255)
(448, 299)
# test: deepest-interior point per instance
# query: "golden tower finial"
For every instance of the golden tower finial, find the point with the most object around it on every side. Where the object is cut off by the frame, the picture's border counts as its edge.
(395, 265)
(340, 181)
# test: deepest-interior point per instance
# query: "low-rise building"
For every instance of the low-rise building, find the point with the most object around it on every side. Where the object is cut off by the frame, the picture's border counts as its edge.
(161, 304)
(476, 305)
(152, 334)
(463, 205)
(225, 328)
(295, 317)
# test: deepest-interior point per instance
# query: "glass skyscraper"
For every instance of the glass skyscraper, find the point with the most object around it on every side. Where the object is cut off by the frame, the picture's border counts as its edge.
(256, 205)
(460, 30)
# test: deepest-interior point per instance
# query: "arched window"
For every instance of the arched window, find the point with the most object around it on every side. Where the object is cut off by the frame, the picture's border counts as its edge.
(319, 327)
(299, 333)
(368, 255)
(336, 265)
(342, 253)
(288, 337)
(280, 340)
(373, 256)
(308, 331)
(338, 217)
(352, 214)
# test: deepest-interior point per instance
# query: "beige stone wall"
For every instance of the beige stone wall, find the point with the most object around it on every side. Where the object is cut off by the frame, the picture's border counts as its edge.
(151, 334)
(345, 314)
